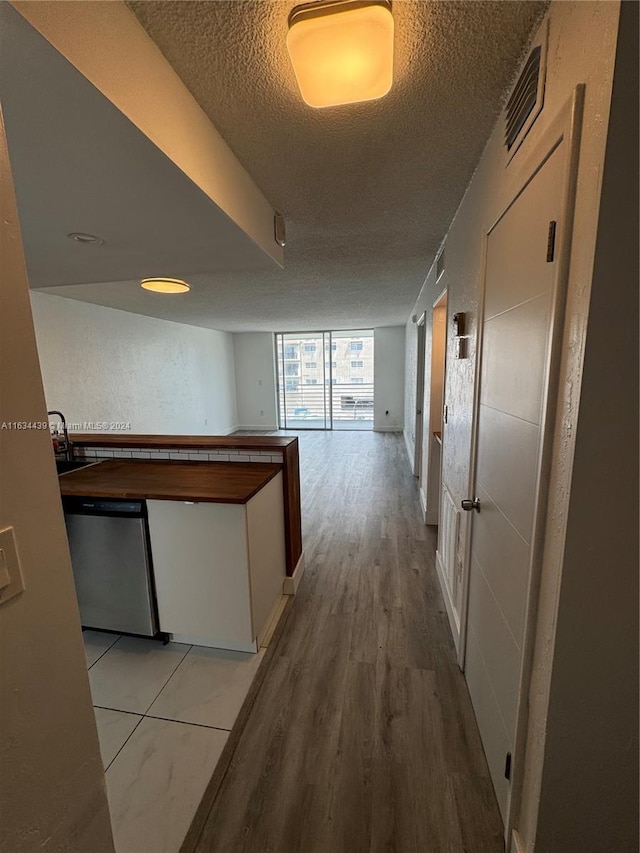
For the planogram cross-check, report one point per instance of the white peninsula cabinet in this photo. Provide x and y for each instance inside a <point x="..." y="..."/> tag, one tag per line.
<point x="219" y="567"/>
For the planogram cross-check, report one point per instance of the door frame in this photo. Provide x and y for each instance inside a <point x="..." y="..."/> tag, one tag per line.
<point x="421" y="329"/>
<point x="433" y="516"/>
<point x="564" y="128"/>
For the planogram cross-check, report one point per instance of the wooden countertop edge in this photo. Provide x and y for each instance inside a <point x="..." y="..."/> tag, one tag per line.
<point x="92" y="491"/>
<point x="249" y="442"/>
<point x="135" y="494"/>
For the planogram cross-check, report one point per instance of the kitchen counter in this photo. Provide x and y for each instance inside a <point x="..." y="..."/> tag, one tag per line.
<point x="216" y="540"/>
<point x="284" y="445"/>
<point x="230" y="483"/>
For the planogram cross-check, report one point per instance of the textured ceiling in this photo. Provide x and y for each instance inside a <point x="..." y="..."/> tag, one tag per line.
<point x="367" y="190"/>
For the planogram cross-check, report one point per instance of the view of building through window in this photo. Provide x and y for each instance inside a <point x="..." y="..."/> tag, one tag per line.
<point x="325" y="379"/>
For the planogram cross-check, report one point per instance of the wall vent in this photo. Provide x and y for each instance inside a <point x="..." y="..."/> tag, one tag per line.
<point x="527" y="98"/>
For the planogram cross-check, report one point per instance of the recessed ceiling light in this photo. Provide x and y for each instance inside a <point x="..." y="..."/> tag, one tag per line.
<point x="342" y="50"/>
<point x="165" y="285"/>
<point x="89" y="239"/>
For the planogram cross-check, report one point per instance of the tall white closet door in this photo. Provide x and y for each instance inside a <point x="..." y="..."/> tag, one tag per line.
<point x="517" y="322"/>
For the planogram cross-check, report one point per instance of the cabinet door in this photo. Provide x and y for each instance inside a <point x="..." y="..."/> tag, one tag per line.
<point x="201" y="570"/>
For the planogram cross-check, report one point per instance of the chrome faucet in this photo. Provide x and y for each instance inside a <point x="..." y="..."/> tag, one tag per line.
<point x="66" y="445"/>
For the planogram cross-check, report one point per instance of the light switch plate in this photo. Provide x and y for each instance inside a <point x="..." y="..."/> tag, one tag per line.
<point x="9" y="566"/>
<point x="461" y="347"/>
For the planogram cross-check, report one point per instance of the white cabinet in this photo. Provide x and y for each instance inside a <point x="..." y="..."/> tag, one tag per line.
<point x="218" y="568"/>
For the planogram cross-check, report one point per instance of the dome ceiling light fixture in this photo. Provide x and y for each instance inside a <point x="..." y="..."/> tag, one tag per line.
<point x="342" y="50"/>
<point x="165" y="285"/>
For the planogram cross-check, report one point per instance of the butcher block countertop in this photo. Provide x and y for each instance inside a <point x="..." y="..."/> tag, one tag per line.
<point x="220" y="482"/>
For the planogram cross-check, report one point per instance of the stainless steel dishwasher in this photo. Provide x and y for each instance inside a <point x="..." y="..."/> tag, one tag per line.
<point x="111" y="560"/>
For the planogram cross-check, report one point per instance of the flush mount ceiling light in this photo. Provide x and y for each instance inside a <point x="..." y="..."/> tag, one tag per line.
<point x="342" y="50"/>
<point x="88" y="239"/>
<point x="165" y="285"/>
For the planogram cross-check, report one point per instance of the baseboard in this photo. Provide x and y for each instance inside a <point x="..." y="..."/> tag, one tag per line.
<point x="231" y="645"/>
<point x="410" y="452"/>
<point x="431" y="517"/>
<point x="453" y="623"/>
<point x="271" y="623"/>
<point x="388" y="429"/>
<point x="259" y="427"/>
<point x="517" y="845"/>
<point x="229" y="431"/>
<point x="290" y="585"/>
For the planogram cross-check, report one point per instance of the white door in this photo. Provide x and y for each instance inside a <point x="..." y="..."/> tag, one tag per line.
<point x="522" y="304"/>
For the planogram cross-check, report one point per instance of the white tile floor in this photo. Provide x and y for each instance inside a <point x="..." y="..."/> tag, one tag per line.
<point x="163" y="714"/>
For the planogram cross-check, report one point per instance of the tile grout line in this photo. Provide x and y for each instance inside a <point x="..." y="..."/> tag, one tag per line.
<point x="173" y="672"/>
<point x="119" y="710"/>
<point x="185" y="723"/>
<point x="164" y="719"/>
<point x="108" y="649"/>
<point x="143" y="715"/>
<point x="126" y="741"/>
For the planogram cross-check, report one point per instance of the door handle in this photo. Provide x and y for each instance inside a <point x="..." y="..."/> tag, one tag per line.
<point x="468" y="505"/>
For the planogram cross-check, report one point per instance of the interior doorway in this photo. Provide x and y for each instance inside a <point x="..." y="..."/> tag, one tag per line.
<point x="420" y="373"/>
<point x="433" y="450"/>
<point x="325" y="379"/>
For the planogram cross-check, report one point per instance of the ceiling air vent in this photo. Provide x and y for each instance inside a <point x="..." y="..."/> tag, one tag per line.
<point x="525" y="103"/>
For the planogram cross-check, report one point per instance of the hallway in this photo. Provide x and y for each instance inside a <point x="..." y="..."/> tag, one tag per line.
<point x="361" y="738"/>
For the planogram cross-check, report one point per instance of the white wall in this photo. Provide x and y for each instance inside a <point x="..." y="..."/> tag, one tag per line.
<point x="388" y="378"/>
<point x="256" y="380"/>
<point x="52" y="789"/>
<point x="256" y="388"/>
<point x="582" y="39"/>
<point x="100" y="364"/>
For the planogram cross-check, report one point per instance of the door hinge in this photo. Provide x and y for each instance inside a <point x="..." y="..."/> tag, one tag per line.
<point x="551" y="241"/>
<point x="507" y="766"/>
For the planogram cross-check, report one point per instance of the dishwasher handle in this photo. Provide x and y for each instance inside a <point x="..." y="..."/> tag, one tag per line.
<point x="74" y="505"/>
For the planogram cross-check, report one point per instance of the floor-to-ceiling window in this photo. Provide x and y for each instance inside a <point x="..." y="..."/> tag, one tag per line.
<point x="325" y="379"/>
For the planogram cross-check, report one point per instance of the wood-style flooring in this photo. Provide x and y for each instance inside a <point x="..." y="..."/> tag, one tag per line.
<point x="361" y="738"/>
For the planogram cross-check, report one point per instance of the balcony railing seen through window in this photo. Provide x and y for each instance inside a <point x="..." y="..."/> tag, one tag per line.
<point x="323" y="392"/>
